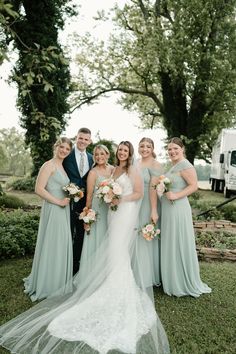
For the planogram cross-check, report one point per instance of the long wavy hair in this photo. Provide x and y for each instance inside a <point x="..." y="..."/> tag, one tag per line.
<point x="129" y="161"/>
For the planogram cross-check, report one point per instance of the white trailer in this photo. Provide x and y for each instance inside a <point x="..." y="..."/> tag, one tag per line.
<point x="223" y="165"/>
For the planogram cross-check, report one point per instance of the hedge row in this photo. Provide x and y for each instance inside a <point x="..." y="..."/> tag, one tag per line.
<point x="18" y="233"/>
<point x="22" y="184"/>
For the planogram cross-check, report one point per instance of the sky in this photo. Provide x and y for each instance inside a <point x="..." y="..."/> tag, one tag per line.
<point x="105" y="118"/>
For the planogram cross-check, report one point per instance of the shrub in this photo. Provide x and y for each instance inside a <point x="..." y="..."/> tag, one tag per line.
<point x="229" y="212"/>
<point x="1" y="190"/>
<point x="194" y="196"/>
<point x="226" y="212"/>
<point x="22" y="184"/>
<point x="18" y="233"/>
<point x="10" y="201"/>
<point x="216" y="239"/>
<point x="109" y="144"/>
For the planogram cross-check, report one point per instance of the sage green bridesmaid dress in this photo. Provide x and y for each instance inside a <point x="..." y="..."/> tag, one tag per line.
<point x="147" y="269"/>
<point x="98" y="231"/>
<point x="53" y="259"/>
<point x="157" y="241"/>
<point x="179" y="263"/>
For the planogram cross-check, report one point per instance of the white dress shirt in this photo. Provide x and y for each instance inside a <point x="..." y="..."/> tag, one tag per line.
<point x="78" y="157"/>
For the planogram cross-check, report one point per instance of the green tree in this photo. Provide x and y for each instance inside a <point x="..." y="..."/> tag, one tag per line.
<point x="18" y="161"/>
<point x="42" y="73"/>
<point x="3" y="157"/>
<point x="108" y="143"/>
<point x="7" y="16"/>
<point x="173" y="62"/>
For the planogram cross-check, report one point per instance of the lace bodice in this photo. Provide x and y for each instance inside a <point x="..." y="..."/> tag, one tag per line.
<point x="125" y="183"/>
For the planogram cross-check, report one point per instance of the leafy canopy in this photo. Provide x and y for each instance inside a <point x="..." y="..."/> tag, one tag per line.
<point x="173" y="63"/>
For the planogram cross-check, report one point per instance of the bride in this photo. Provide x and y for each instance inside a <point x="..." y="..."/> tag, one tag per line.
<point x="107" y="311"/>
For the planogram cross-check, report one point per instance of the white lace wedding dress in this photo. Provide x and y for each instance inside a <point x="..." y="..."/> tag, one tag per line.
<point x="107" y="311"/>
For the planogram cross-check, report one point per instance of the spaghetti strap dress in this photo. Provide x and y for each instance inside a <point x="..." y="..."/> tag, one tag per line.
<point x="53" y="259"/>
<point x="98" y="231"/>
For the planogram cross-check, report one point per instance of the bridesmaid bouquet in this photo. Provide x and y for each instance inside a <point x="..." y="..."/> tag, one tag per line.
<point x="73" y="191"/>
<point x="108" y="190"/>
<point x="89" y="216"/>
<point x="163" y="185"/>
<point x="149" y="232"/>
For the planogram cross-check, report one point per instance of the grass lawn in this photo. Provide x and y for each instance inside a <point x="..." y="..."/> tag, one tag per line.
<point x="29" y="198"/>
<point x="205" y="325"/>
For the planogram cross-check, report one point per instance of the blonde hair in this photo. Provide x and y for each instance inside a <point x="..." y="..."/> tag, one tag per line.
<point x="62" y="140"/>
<point x="100" y="147"/>
<point x="150" y="141"/>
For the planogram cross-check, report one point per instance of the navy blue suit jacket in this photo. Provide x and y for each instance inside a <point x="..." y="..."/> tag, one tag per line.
<point x="77" y="227"/>
<point x="72" y="170"/>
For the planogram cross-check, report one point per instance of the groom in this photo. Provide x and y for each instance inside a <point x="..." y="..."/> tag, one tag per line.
<point x="77" y="165"/>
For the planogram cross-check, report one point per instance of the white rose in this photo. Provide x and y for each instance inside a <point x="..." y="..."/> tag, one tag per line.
<point x="107" y="199"/>
<point x="91" y="215"/>
<point x="74" y="191"/>
<point x="105" y="189"/>
<point x="117" y="190"/>
<point x="86" y="219"/>
<point x="160" y="188"/>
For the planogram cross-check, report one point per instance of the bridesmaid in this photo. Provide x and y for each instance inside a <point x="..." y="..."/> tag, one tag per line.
<point x="52" y="264"/>
<point x="179" y="263"/>
<point x="100" y="171"/>
<point x="147" y="252"/>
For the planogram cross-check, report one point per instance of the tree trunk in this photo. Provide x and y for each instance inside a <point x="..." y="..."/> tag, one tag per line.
<point x="43" y="110"/>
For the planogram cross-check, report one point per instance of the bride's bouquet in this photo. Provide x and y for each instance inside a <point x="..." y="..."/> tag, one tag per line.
<point x="163" y="185"/>
<point x="108" y="190"/>
<point x="73" y="191"/>
<point x="149" y="231"/>
<point x="89" y="216"/>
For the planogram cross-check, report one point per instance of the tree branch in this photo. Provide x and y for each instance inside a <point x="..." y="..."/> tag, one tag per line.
<point x="143" y="10"/>
<point x="164" y="13"/>
<point x="89" y="99"/>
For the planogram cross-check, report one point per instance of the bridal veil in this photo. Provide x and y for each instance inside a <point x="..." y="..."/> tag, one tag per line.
<point x="107" y="312"/>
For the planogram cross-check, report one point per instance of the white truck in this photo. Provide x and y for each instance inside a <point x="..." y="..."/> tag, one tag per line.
<point x="223" y="165"/>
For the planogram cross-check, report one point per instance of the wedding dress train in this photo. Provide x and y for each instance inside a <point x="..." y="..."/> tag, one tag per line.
<point x="107" y="312"/>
